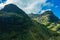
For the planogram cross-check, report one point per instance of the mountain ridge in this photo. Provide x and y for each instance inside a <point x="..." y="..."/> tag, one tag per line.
<point x="15" y="24"/>
<point x="48" y="19"/>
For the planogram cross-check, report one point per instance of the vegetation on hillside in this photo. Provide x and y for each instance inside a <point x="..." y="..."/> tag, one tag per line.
<point x="15" y="24"/>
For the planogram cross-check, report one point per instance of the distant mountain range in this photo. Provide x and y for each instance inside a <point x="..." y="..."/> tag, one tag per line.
<point x="15" y="24"/>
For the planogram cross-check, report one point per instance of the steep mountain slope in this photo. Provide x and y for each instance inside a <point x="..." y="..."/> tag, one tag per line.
<point x="11" y="15"/>
<point x="50" y="20"/>
<point x="13" y="8"/>
<point x="34" y="15"/>
<point x="48" y="16"/>
<point x="16" y="25"/>
<point x="13" y="21"/>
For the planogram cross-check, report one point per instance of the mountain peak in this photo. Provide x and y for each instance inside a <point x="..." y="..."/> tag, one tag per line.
<point x="48" y="16"/>
<point x="47" y="12"/>
<point x="12" y="8"/>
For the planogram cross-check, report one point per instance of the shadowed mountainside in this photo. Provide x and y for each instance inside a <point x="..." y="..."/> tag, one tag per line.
<point x="15" y="24"/>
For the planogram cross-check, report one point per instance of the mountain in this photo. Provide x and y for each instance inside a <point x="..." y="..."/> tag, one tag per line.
<point x="11" y="15"/>
<point x="34" y="15"/>
<point x="49" y="16"/>
<point x="48" y="19"/>
<point x="13" y="8"/>
<point x="15" y="24"/>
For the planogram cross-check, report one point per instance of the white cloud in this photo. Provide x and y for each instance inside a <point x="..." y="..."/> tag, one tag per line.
<point x="27" y="5"/>
<point x="31" y="5"/>
<point x="3" y="4"/>
<point x="49" y="4"/>
<point x="34" y="6"/>
<point x="42" y="11"/>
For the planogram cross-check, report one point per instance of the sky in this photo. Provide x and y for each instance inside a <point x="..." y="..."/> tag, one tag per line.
<point x="35" y="6"/>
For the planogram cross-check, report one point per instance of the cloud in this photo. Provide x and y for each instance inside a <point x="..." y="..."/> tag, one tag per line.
<point x="42" y="11"/>
<point x="34" y="6"/>
<point x="3" y="4"/>
<point x="49" y="4"/>
<point x="29" y="6"/>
